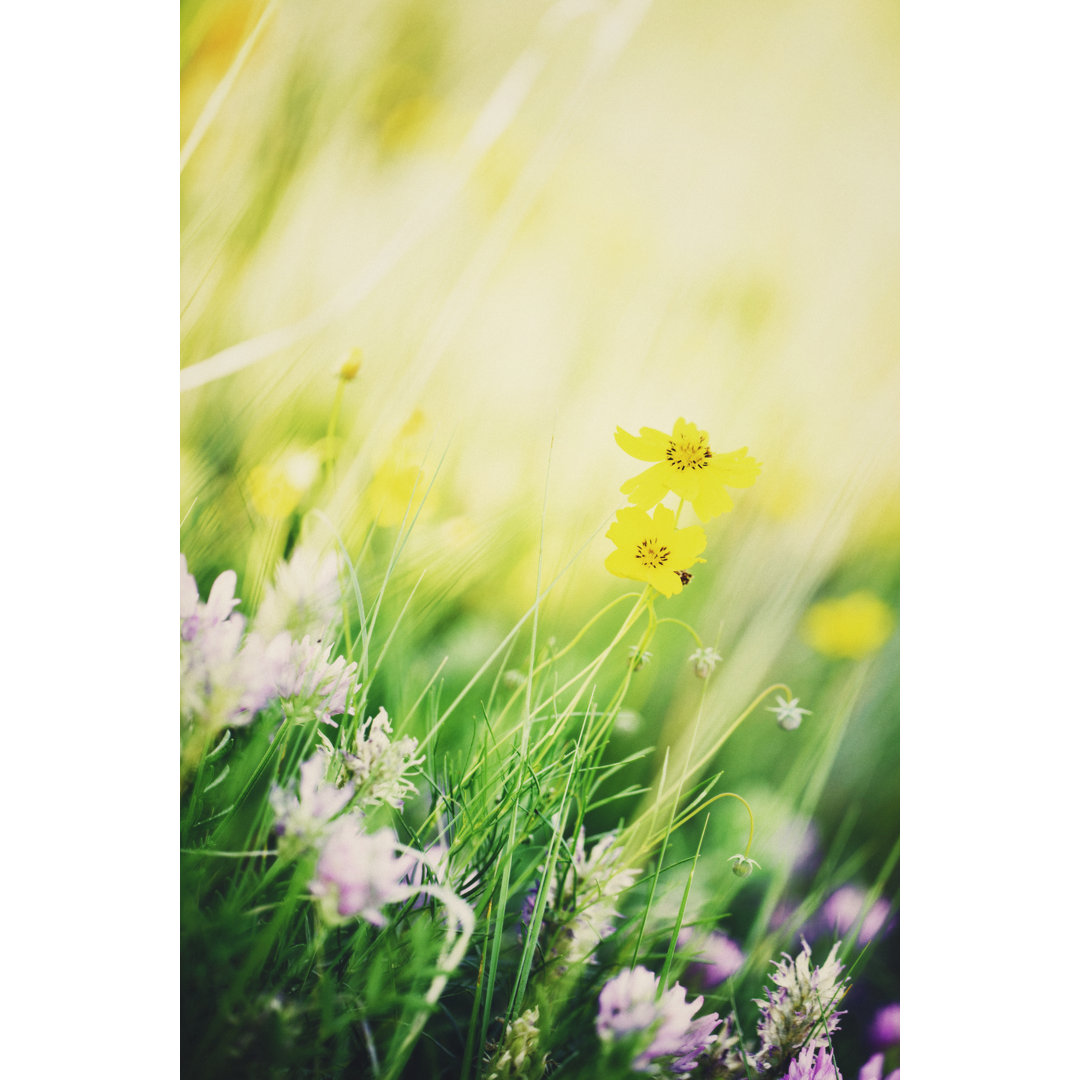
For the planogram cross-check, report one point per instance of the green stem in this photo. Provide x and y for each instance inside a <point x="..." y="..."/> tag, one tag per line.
<point x="686" y="626"/>
<point x="707" y="756"/>
<point x="644" y="601"/>
<point x="697" y="810"/>
<point x="330" y="455"/>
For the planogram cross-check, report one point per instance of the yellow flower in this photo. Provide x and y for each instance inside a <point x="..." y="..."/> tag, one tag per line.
<point x="394" y="491"/>
<point x="651" y="548"/>
<point x="848" y="627"/>
<point x="397" y="488"/>
<point x="276" y="490"/>
<point x="688" y="467"/>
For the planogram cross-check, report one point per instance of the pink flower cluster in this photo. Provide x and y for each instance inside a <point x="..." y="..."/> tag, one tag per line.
<point x="629" y="1005"/>
<point x="358" y="873"/>
<point x="222" y="683"/>
<point x="225" y="678"/>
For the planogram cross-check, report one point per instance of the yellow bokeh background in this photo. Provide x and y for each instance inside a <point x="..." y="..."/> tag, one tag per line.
<point x="539" y="221"/>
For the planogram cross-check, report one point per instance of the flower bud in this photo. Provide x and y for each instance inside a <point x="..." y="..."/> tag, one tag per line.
<point x="741" y="866"/>
<point x="351" y="368"/>
<point x="705" y="661"/>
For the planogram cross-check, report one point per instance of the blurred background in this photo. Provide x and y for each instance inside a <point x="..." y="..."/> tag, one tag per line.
<point x="537" y="221"/>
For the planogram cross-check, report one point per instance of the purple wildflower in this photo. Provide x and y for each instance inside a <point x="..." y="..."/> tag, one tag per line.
<point x="724" y="1059"/>
<point x="794" y="843"/>
<point x="306" y="812"/>
<point x="629" y="1006"/>
<point x="814" y="1064"/>
<point x="528" y="906"/>
<point x="801" y="1010"/>
<point x="715" y="957"/>
<point x="189" y="603"/>
<point x="843" y="911"/>
<point x="874" y="1069"/>
<point x="311" y="676"/>
<point x="885" y="1030"/>
<point x="783" y="911"/>
<point x="222" y="683"/>
<point x="358" y="873"/>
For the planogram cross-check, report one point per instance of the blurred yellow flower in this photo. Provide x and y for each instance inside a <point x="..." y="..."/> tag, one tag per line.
<point x="848" y="627"/>
<point x="652" y="549"/>
<point x="392" y="490"/>
<point x="397" y="485"/>
<point x="271" y="493"/>
<point x="686" y="466"/>
<point x="276" y="489"/>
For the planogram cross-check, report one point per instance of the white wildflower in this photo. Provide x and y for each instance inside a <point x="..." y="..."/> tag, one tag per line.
<point x="789" y="715"/>
<point x="381" y="767"/>
<point x="312" y="678"/>
<point x="306" y="811"/>
<point x="705" y="661"/>
<point x="584" y="905"/>
<point x="304" y="598"/>
<point x="741" y="866"/>
<point x="517" y="1057"/>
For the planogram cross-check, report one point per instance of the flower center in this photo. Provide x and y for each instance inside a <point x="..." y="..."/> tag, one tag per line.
<point x="652" y="553"/>
<point x="689" y="453"/>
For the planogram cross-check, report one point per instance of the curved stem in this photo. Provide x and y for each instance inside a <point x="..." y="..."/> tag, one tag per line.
<point x="697" y="810"/>
<point x="742" y="716"/>
<point x="567" y="647"/>
<point x="453" y="953"/>
<point x="686" y="626"/>
<point x="644" y="600"/>
<point x="689" y="769"/>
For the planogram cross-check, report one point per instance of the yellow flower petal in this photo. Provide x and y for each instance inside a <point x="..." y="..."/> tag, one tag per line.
<point x="663" y="518"/>
<point x="622" y="564"/>
<point x="630" y="523"/>
<point x="647" y="488"/>
<point x="736" y="469"/>
<point x="686" y="545"/>
<point x="665" y="581"/>
<point x="648" y="446"/>
<point x="688" y="432"/>
<point x="272" y="493"/>
<point x="686" y="485"/>
<point x="712" y="501"/>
